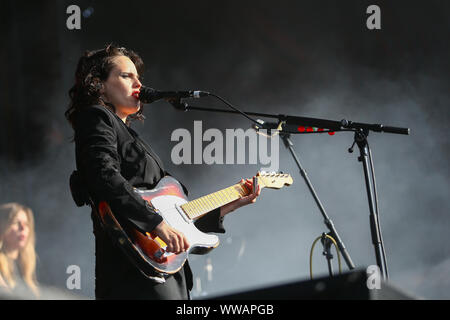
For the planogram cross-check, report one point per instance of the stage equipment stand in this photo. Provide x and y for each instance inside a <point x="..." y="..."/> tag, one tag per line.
<point x="287" y="125"/>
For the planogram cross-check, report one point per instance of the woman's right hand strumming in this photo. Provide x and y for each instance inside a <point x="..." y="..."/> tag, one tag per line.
<point x="175" y="240"/>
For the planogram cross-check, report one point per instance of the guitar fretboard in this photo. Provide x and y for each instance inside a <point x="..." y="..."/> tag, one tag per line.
<point x="196" y="208"/>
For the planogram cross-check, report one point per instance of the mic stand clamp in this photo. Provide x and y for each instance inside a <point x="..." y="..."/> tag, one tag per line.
<point x="178" y="104"/>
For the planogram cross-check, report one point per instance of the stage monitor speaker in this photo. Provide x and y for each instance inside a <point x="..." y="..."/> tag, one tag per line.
<point x="347" y="286"/>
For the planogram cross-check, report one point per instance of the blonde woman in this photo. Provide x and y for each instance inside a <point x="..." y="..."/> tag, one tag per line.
<point x="17" y="252"/>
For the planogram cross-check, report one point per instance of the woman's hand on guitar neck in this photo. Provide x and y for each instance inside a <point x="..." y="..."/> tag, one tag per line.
<point x="245" y="200"/>
<point x="175" y="240"/>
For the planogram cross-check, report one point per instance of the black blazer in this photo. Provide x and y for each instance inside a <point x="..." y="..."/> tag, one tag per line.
<point x="112" y="159"/>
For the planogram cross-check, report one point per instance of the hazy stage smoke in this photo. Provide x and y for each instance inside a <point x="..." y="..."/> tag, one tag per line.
<point x="327" y="68"/>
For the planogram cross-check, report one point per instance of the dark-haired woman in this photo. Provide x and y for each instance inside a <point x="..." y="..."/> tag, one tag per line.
<point x="111" y="159"/>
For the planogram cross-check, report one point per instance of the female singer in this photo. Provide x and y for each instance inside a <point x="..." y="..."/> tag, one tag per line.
<point x="111" y="159"/>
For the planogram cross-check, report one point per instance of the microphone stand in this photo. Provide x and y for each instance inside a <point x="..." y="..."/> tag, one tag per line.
<point x="328" y="222"/>
<point x="364" y="151"/>
<point x="361" y="131"/>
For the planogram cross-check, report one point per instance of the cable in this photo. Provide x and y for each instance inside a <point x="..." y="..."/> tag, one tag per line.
<point x="312" y="249"/>
<point x="234" y="108"/>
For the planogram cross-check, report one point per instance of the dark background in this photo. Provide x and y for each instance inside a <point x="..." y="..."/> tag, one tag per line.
<point x="305" y="58"/>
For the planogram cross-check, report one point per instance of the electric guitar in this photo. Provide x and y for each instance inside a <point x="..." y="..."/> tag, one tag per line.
<point x="148" y="252"/>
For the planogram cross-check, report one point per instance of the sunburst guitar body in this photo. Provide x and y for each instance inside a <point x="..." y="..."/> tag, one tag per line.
<point x="148" y="252"/>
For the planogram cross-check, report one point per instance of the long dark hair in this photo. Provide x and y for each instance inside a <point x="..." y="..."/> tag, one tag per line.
<point x="92" y="70"/>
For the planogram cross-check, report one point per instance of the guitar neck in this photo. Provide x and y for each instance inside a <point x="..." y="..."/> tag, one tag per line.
<point x="199" y="207"/>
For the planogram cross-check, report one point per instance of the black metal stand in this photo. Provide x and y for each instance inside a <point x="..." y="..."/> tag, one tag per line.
<point x="361" y="132"/>
<point x="328" y="222"/>
<point x="361" y="141"/>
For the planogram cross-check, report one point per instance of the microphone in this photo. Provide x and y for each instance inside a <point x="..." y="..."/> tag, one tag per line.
<point x="149" y="95"/>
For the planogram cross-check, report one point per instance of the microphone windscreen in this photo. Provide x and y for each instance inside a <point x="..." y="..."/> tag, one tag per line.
<point x="148" y="95"/>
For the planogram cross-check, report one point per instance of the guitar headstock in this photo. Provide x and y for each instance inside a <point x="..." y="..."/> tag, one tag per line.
<point x="273" y="180"/>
